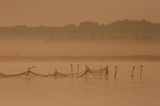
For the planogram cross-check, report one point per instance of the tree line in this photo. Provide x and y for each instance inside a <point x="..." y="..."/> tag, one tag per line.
<point x="139" y="29"/>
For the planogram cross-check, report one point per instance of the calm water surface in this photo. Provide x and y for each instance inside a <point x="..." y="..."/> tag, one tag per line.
<point x="81" y="92"/>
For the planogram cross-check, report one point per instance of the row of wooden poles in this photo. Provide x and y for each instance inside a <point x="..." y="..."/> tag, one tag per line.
<point x="105" y="71"/>
<point x="102" y="72"/>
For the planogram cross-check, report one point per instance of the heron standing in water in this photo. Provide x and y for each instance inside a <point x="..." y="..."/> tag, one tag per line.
<point x="106" y="72"/>
<point x="55" y="73"/>
<point x="115" y="73"/>
<point x="86" y="72"/>
<point x="132" y="73"/>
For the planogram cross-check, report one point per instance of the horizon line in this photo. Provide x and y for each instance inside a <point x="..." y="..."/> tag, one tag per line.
<point x="157" y="22"/>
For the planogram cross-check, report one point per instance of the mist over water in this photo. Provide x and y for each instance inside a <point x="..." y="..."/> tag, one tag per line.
<point x="33" y="47"/>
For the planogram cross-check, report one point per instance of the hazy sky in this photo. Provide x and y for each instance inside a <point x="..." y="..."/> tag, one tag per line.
<point x="61" y="12"/>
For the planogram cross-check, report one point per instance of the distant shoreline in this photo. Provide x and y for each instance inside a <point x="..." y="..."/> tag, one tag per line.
<point x="120" y="29"/>
<point x="80" y="58"/>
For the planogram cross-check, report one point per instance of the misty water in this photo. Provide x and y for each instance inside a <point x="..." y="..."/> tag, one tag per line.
<point x="94" y="91"/>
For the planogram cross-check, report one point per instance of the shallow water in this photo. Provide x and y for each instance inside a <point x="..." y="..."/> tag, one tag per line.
<point x="81" y="92"/>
